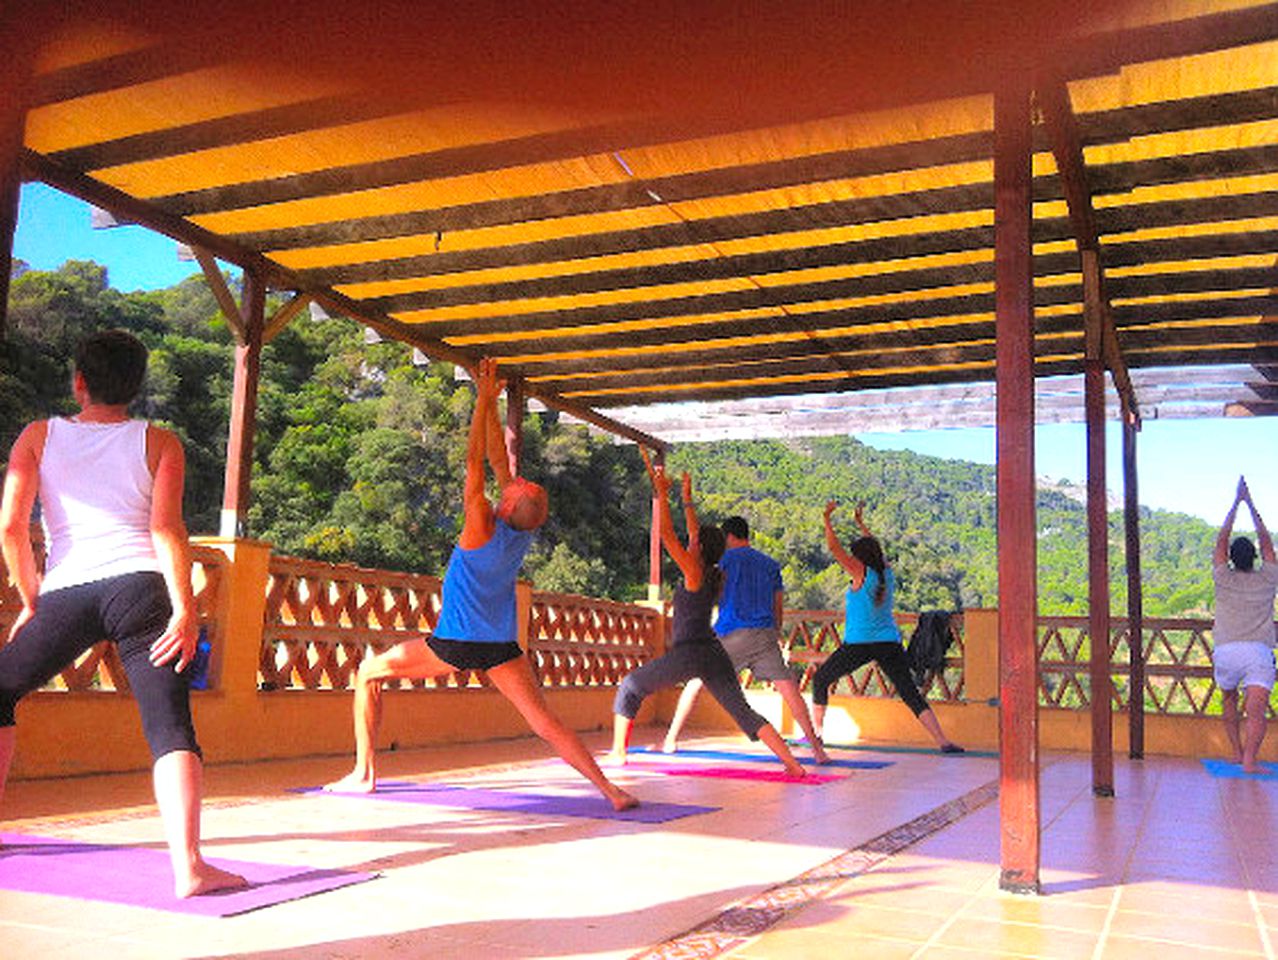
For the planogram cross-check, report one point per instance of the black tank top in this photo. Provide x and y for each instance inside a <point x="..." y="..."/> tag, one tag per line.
<point x="692" y="613"/>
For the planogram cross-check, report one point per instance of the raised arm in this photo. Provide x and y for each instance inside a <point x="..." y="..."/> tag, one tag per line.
<point x="167" y="462"/>
<point x="21" y="482"/>
<point x="854" y="568"/>
<point x="1221" y="553"/>
<point x="495" y="444"/>
<point x="1263" y="539"/>
<point x="478" y="522"/>
<point x="689" y="563"/>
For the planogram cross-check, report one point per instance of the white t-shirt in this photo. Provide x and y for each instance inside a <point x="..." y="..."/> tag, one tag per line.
<point x="95" y="502"/>
<point x="1245" y="603"/>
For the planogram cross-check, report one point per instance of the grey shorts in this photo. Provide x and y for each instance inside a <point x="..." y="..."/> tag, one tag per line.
<point x="759" y="649"/>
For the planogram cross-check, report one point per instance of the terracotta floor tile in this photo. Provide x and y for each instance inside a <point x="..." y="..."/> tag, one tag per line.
<point x="1131" y="948"/>
<point x="1193" y="931"/>
<point x="1032" y="940"/>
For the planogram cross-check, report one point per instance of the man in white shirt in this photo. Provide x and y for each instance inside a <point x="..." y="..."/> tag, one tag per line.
<point x="1244" y="632"/>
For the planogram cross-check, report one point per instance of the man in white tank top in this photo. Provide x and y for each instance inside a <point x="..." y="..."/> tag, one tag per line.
<point x="118" y="568"/>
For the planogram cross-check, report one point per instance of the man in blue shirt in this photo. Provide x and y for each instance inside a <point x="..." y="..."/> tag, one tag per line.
<point x="749" y="627"/>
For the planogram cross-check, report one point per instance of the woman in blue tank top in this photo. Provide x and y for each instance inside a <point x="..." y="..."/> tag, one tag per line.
<point x="695" y="650"/>
<point x="869" y="629"/>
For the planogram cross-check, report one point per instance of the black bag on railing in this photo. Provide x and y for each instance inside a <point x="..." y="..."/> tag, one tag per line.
<point x="928" y="646"/>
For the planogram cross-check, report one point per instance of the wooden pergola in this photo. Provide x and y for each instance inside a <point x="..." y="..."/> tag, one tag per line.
<point x="639" y="204"/>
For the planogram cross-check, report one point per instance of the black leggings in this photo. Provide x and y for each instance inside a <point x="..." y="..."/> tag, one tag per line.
<point x="891" y="659"/>
<point x="132" y="610"/>
<point x="707" y="662"/>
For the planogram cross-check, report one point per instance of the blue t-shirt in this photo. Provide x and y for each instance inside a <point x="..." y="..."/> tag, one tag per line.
<point x="865" y="621"/>
<point x="751" y="581"/>
<point x="479" y="589"/>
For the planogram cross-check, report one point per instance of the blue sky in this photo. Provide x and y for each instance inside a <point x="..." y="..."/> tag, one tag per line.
<point x="1190" y="466"/>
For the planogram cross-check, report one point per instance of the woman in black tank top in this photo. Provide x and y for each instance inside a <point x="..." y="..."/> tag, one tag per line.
<point x="694" y="649"/>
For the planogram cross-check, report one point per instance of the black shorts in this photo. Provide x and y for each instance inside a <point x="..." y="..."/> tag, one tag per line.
<point x="472" y="655"/>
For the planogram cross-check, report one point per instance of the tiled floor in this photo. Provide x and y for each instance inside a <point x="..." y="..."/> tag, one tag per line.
<point x="896" y="862"/>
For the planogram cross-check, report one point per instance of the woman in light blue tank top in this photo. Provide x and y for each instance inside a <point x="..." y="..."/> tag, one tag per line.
<point x="870" y="633"/>
<point x="478" y="624"/>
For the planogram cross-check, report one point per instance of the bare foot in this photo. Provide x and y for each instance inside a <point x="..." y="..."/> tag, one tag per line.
<point x="621" y="800"/>
<point x="819" y="754"/>
<point x="353" y="782"/>
<point x="795" y="771"/>
<point x="206" y="878"/>
<point x="670" y="746"/>
<point x="613" y="759"/>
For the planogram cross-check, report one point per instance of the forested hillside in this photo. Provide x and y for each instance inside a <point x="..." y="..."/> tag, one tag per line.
<point x="359" y="458"/>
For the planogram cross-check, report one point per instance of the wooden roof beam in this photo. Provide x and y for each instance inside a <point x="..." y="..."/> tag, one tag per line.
<point x="1058" y="115"/>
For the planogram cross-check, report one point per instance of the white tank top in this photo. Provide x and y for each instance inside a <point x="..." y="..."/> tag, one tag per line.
<point x="95" y="502"/>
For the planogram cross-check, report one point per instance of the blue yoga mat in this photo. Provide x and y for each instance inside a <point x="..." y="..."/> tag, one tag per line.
<point x="883" y="748"/>
<point x="1234" y="771"/>
<point x="765" y="758"/>
<point x="550" y="805"/>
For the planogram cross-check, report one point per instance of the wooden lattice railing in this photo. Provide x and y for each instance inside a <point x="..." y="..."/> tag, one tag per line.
<point x="809" y="636"/>
<point x="99" y="668"/>
<point x="322" y="618"/>
<point x="578" y="641"/>
<point x="1178" y="665"/>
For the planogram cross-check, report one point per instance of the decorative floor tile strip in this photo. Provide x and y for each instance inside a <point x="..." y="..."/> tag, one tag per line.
<point x="749" y="918"/>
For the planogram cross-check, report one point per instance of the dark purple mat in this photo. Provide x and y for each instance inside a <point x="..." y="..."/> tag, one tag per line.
<point x="141" y="877"/>
<point x="550" y="805"/>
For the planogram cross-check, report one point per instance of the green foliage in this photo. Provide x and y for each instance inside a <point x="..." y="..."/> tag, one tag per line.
<point x="359" y="456"/>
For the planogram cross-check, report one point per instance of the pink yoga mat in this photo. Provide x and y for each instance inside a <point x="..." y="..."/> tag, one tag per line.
<point x="142" y="877"/>
<point x="735" y="773"/>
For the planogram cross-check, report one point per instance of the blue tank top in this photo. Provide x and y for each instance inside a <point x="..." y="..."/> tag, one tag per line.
<point x="479" y="589"/>
<point x="864" y="621"/>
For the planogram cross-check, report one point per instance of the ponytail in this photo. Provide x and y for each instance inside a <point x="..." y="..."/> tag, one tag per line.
<point x="870" y="552"/>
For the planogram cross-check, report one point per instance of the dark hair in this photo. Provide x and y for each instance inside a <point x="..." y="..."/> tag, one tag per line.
<point x="113" y="364"/>
<point x="712" y="544"/>
<point x="870" y="552"/>
<point x="1243" y="553"/>
<point x="737" y="527"/>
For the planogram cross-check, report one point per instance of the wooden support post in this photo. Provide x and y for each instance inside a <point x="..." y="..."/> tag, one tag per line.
<point x="654" y="541"/>
<point x="1135" y="600"/>
<point x="239" y="444"/>
<point x="1017" y="541"/>
<point x="516" y="405"/>
<point x="15" y="72"/>
<point x="1102" y="692"/>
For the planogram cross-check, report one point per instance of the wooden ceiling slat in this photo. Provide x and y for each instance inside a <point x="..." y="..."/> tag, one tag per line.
<point x="781" y="296"/>
<point x="702" y="270"/>
<point x="884" y="341"/>
<point x="798" y="324"/>
<point x="570" y="144"/>
<point x="1096" y="128"/>
<point x="123" y="70"/>
<point x="815" y="323"/>
<point x="1175" y="213"/>
<point x="1118" y="177"/>
<point x="979" y="373"/>
<point x="685" y="233"/>
<point x="233" y="130"/>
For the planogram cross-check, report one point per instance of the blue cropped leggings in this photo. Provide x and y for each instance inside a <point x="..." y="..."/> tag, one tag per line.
<point x="132" y="611"/>
<point x="707" y="662"/>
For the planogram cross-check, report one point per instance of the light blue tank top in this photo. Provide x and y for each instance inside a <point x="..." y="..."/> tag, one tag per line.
<point x="864" y="621"/>
<point x="479" y="589"/>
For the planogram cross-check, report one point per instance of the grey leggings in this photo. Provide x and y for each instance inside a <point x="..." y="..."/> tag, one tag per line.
<point x="132" y="610"/>
<point x="705" y="661"/>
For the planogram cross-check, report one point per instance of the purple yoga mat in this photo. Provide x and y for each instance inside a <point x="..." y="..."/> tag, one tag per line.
<point x="550" y="805"/>
<point x="140" y="877"/>
<point x="736" y="773"/>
